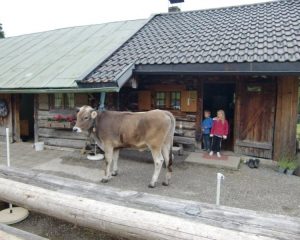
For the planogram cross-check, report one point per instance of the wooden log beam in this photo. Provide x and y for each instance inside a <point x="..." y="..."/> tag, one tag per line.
<point x="61" y="133"/>
<point x="7" y="232"/>
<point x="35" y="117"/>
<point x="62" y="142"/>
<point x="138" y="215"/>
<point x="114" y="219"/>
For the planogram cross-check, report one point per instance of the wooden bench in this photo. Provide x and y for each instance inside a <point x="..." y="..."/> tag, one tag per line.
<point x="139" y="215"/>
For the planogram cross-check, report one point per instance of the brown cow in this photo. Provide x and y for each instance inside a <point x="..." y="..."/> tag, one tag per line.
<point x="115" y="130"/>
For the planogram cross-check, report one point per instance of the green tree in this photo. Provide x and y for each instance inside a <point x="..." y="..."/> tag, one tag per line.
<point x="1" y="31"/>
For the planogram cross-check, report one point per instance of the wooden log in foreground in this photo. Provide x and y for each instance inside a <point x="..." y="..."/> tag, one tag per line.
<point x="138" y="215"/>
<point x="10" y="233"/>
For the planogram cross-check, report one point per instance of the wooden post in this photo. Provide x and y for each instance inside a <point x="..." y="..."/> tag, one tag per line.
<point x="15" y="131"/>
<point x="199" y="112"/>
<point x="237" y="112"/>
<point x="35" y="117"/>
<point x="286" y="116"/>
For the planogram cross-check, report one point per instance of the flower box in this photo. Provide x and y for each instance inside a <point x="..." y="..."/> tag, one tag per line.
<point x="61" y="121"/>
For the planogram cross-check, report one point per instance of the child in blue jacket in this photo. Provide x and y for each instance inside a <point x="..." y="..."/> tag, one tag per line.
<point x="206" y="127"/>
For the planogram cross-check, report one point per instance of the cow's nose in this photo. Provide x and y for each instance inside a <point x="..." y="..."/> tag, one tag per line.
<point x="77" y="129"/>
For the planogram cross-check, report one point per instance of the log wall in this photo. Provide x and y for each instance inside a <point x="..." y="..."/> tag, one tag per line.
<point x="286" y="116"/>
<point x="58" y="137"/>
<point x="284" y="109"/>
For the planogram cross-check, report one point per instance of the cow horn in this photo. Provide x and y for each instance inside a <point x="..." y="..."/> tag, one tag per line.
<point x="94" y="114"/>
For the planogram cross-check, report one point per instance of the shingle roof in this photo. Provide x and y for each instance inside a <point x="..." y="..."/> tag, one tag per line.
<point x="55" y="59"/>
<point x="265" y="32"/>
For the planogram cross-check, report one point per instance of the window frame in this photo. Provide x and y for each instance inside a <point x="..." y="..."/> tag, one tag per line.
<point x="64" y="101"/>
<point x="161" y="99"/>
<point x="176" y="99"/>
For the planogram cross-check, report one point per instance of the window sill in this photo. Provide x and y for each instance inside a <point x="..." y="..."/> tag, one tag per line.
<point x="62" y="111"/>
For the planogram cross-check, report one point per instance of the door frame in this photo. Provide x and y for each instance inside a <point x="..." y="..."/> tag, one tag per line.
<point x="220" y="81"/>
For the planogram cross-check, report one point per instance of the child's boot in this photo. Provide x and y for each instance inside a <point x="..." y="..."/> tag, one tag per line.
<point x="211" y="153"/>
<point x="218" y="154"/>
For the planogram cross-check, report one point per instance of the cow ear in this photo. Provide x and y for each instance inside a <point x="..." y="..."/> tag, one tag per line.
<point x="77" y="109"/>
<point x="94" y="114"/>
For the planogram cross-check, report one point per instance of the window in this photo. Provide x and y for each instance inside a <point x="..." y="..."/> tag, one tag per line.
<point x="175" y="100"/>
<point x="58" y="100"/>
<point x="160" y="99"/>
<point x="63" y="100"/>
<point x="69" y="100"/>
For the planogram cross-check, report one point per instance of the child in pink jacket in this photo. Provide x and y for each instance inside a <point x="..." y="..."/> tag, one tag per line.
<point x="218" y="132"/>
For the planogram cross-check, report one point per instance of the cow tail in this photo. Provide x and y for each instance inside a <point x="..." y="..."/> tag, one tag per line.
<point x="170" y="160"/>
<point x="171" y="133"/>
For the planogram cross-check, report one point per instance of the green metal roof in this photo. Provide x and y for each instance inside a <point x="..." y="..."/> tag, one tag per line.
<point x="56" y="59"/>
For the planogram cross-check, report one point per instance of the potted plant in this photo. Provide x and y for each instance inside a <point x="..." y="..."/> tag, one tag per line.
<point x="291" y="167"/>
<point x="282" y="165"/>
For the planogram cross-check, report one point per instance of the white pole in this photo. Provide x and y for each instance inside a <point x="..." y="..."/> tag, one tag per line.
<point x="7" y="147"/>
<point x="220" y="177"/>
<point x="8" y="160"/>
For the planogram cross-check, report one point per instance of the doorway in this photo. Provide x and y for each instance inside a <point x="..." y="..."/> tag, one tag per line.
<point x="218" y="96"/>
<point x="26" y="117"/>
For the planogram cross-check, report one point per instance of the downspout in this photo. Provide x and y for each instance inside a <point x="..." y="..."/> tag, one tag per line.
<point x="102" y="101"/>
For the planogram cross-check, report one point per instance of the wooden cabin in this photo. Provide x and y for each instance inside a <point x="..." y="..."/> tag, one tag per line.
<point x="261" y="111"/>
<point x="244" y="60"/>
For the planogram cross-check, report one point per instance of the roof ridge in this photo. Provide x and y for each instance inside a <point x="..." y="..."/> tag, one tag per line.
<point x="227" y="7"/>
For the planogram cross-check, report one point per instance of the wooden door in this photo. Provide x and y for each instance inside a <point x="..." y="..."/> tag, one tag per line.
<point x="256" y="118"/>
<point x="188" y="101"/>
<point x="144" y="100"/>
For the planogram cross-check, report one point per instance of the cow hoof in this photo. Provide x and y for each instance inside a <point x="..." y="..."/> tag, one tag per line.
<point x="104" y="180"/>
<point x="114" y="173"/>
<point x="151" y="185"/>
<point x="165" y="184"/>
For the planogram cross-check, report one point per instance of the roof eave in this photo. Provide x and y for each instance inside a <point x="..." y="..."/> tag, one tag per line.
<point x="60" y="90"/>
<point x="274" y="68"/>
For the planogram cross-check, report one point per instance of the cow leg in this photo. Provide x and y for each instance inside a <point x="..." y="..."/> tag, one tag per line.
<point x="115" y="162"/>
<point x="158" y="161"/>
<point x="108" y="161"/>
<point x="166" y="154"/>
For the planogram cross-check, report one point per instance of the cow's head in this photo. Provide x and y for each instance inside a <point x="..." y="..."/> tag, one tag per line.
<point x="86" y="116"/>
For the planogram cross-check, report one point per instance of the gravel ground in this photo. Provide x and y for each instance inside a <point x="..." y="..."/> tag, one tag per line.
<point x="261" y="189"/>
<point x="56" y="229"/>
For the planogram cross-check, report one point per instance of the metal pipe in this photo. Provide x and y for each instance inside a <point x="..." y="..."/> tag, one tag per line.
<point x="102" y="101"/>
<point x="220" y="177"/>
<point x="8" y="160"/>
<point x="7" y="147"/>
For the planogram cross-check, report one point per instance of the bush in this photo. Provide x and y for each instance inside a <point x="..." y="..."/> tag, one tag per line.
<point x="292" y="165"/>
<point x="288" y="162"/>
<point x="283" y="164"/>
